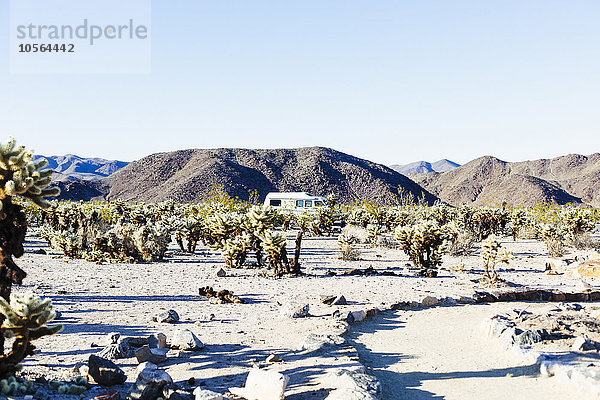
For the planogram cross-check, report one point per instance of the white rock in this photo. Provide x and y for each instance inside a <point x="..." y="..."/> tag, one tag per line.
<point x="203" y="394"/>
<point x="359" y="315"/>
<point x="263" y="385"/>
<point x="429" y="301"/>
<point x="294" y="310"/>
<point x="184" y="339"/>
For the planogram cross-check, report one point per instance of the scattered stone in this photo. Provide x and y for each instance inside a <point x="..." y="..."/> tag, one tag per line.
<point x="316" y="341"/>
<point x="583" y="344"/>
<point x="136" y="341"/>
<point x="149" y="383"/>
<point x="184" y="339"/>
<point x="169" y="317"/>
<point x="358" y="316"/>
<point x="116" y="351"/>
<point x="327" y="299"/>
<point x="221" y="273"/>
<point x="155" y="356"/>
<point x="339" y="301"/>
<point x="429" y="301"/>
<point x="530" y="337"/>
<point x="355" y="385"/>
<point x="203" y="394"/>
<point x="273" y="359"/>
<point x="173" y="392"/>
<point x="293" y="310"/>
<point x="157" y="341"/>
<point x="105" y="372"/>
<point x="263" y="385"/>
<point x="39" y="251"/>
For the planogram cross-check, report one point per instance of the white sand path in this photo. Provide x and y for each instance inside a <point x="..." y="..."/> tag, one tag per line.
<point x="441" y="353"/>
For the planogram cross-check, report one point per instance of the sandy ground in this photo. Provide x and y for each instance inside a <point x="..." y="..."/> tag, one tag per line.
<point x="442" y="353"/>
<point x="97" y="299"/>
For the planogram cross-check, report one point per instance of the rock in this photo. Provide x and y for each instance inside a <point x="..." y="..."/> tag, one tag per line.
<point x="112" y="394"/>
<point x="315" y="341"/>
<point x="583" y="344"/>
<point x="263" y="385"/>
<point x="429" y="301"/>
<point x="340" y="301"/>
<point x="353" y="385"/>
<point x="136" y="341"/>
<point x="105" y="372"/>
<point x="155" y="356"/>
<point x="203" y="394"/>
<point x="530" y="337"/>
<point x="273" y="359"/>
<point x="39" y="251"/>
<point x="327" y="299"/>
<point x="345" y="316"/>
<point x="172" y="392"/>
<point x="184" y="339"/>
<point x="295" y="310"/>
<point x="170" y="317"/>
<point x="149" y="383"/>
<point x="112" y="338"/>
<point x="358" y="316"/>
<point x="221" y="273"/>
<point x="157" y="341"/>
<point x="116" y="351"/>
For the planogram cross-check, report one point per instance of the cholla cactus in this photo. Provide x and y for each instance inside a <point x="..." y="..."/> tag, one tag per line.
<point x="274" y="245"/>
<point x="423" y="243"/>
<point x="26" y="317"/>
<point x="493" y="254"/>
<point x="236" y="250"/>
<point x="346" y="243"/>
<point x="374" y="231"/>
<point x="20" y="175"/>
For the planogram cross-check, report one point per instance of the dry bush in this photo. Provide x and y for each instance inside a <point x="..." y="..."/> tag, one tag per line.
<point x="462" y="244"/>
<point x="585" y="241"/>
<point x="361" y="235"/>
<point x="349" y="253"/>
<point x="556" y="248"/>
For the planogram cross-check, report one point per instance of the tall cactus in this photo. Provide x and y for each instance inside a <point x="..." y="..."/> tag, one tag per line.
<point x="19" y="175"/>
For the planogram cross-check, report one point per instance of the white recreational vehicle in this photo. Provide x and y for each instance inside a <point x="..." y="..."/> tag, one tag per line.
<point x="294" y="201"/>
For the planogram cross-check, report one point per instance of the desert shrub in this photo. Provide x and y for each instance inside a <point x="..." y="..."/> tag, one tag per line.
<point x="347" y="248"/>
<point x="493" y="254"/>
<point x="554" y="238"/>
<point x="423" y="243"/>
<point x="359" y="234"/>
<point x="460" y="242"/>
<point x="584" y="241"/>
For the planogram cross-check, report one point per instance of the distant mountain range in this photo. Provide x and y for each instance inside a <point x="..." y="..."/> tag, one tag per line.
<point x="75" y="168"/>
<point x="572" y="179"/>
<point x="188" y="175"/>
<point x="423" y="167"/>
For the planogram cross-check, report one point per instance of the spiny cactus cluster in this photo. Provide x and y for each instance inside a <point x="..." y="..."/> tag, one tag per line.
<point x="423" y="243"/>
<point x="25" y="319"/>
<point x="21" y="175"/>
<point x="493" y="254"/>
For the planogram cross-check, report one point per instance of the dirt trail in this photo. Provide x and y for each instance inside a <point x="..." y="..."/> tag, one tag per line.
<point x="441" y="353"/>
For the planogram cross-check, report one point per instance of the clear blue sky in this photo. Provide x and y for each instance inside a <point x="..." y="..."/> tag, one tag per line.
<point x="391" y="81"/>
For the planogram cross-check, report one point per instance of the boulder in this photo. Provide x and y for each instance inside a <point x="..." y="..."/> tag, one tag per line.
<point x="155" y="356"/>
<point x="294" y="310"/>
<point x="173" y="392"/>
<point x="118" y="350"/>
<point x="149" y="383"/>
<point x="184" y="339"/>
<point x="429" y="301"/>
<point x="157" y="341"/>
<point x="203" y="394"/>
<point x="169" y="317"/>
<point x="316" y="341"/>
<point x="105" y="372"/>
<point x="263" y="385"/>
<point x="353" y="385"/>
<point x="221" y="273"/>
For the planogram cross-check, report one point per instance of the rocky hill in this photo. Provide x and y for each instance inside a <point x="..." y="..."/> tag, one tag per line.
<point x="423" y="167"/>
<point x="488" y="180"/>
<point x="188" y="175"/>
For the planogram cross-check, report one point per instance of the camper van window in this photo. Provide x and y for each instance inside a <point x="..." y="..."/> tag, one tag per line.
<point x="275" y="203"/>
<point x="318" y="203"/>
<point x="299" y="203"/>
<point x="307" y="203"/>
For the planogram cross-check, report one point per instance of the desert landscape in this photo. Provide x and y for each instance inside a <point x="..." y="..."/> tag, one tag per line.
<point x="148" y="295"/>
